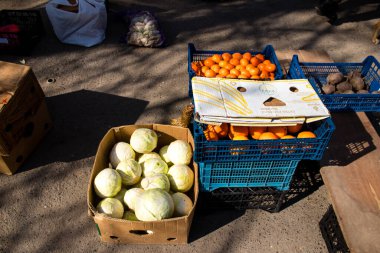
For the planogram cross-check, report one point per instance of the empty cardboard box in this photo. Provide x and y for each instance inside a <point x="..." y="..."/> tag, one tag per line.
<point x="24" y="117"/>
<point x="169" y="231"/>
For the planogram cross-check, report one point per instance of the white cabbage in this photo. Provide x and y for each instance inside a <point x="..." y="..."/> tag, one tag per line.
<point x="111" y="207"/>
<point x="144" y="140"/>
<point x="121" y="151"/>
<point x="180" y="152"/>
<point x="181" y="178"/>
<point x="182" y="204"/>
<point x="107" y="183"/>
<point x="147" y="156"/>
<point x="160" y="181"/>
<point x="120" y="195"/>
<point x="154" y="166"/>
<point x="131" y="196"/>
<point x="130" y="215"/>
<point x="164" y="155"/>
<point x="130" y="172"/>
<point x="154" y="204"/>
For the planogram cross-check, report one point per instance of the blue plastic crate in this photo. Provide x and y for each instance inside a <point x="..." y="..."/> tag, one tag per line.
<point x="318" y="72"/>
<point x="199" y="55"/>
<point x="277" y="174"/>
<point x="264" y="150"/>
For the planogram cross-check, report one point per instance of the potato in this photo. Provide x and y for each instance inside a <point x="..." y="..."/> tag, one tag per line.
<point x="328" y="88"/>
<point x="335" y="78"/>
<point x="362" y="92"/>
<point x="343" y="86"/>
<point x="357" y="83"/>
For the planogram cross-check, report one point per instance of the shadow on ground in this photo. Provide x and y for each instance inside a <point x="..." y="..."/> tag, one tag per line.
<point x="80" y="120"/>
<point x="349" y="142"/>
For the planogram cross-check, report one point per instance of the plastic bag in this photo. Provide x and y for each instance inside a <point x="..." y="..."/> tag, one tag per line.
<point x="82" y="23"/>
<point x="144" y="30"/>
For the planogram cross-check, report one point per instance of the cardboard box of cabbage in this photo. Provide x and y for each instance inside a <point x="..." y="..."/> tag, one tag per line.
<point x="164" y="223"/>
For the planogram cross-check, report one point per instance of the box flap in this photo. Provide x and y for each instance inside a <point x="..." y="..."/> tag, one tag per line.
<point x="249" y="102"/>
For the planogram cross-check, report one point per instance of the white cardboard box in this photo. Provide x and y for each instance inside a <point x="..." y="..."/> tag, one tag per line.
<point x="250" y="102"/>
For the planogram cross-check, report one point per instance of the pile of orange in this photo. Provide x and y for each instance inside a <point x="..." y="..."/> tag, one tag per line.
<point x="236" y="65"/>
<point x="214" y="133"/>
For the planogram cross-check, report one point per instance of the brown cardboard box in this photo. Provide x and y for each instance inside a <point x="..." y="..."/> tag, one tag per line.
<point x="169" y="231"/>
<point x="24" y="118"/>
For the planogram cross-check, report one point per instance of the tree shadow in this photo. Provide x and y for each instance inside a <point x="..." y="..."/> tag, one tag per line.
<point x="80" y="120"/>
<point x="349" y="142"/>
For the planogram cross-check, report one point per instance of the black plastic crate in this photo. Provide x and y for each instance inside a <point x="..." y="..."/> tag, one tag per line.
<point x="332" y="234"/>
<point x="31" y="30"/>
<point x="306" y="180"/>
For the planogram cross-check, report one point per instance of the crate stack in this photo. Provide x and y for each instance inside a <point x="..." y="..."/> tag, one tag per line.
<point x="237" y="171"/>
<point x="24" y="117"/>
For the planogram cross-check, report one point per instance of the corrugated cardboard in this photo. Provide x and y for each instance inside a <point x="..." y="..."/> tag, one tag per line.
<point x="21" y="96"/>
<point x="24" y="117"/>
<point x="36" y="128"/>
<point x="169" y="231"/>
<point x="250" y="102"/>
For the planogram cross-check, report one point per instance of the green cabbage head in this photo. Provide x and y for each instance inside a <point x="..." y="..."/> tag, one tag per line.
<point x="144" y="140"/>
<point x="154" y="204"/>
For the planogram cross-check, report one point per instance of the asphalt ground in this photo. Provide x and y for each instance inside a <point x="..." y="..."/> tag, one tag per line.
<point x="43" y="206"/>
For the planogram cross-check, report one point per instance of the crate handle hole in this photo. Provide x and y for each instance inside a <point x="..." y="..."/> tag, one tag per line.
<point x="28" y="130"/>
<point x="114" y="237"/>
<point x="51" y="80"/>
<point x="293" y="89"/>
<point x="19" y="158"/>
<point x="241" y="89"/>
<point x="141" y="232"/>
<point x="171" y="239"/>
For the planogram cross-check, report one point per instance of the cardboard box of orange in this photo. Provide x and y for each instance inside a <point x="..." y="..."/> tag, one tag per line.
<point x="169" y="231"/>
<point x="24" y="116"/>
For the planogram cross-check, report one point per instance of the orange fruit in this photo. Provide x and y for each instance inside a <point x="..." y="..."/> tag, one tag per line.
<point x="237" y="56"/>
<point x="244" y="62"/>
<point x="270" y="67"/>
<point x="306" y="134"/>
<point x="255" y="72"/>
<point x="220" y="76"/>
<point x="260" y="57"/>
<point x="255" y="77"/>
<point x="217" y="58"/>
<point x="288" y="136"/>
<point x="235" y="72"/>
<point x="266" y="62"/>
<point x="249" y="67"/>
<point x="234" y="61"/>
<point x="261" y="66"/>
<point x="224" y="72"/>
<point x="204" y="69"/>
<point x="216" y="68"/>
<point x="208" y="62"/>
<point x="226" y="56"/>
<point x="230" y="135"/>
<point x="247" y="56"/>
<point x="229" y="66"/>
<point x="255" y="61"/>
<point x="239" y="67"/>
<point x="294" y="129"/>
<point x="223" y="64"/>
<point x="231" y="76"/>
<point x="264" y="74"/>
<point x="255" y="132"/>
<point x="241" y="76"/>
<point x="239" y="130"/>
<point x="245" y="72"/>
<point x="280" y="131"/>
<point x="210" y="73"/>
<point x="240" y="138"/>
<point x="268" y="136"/>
